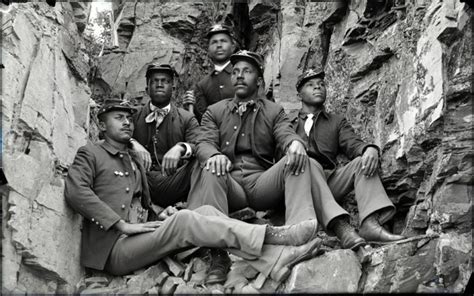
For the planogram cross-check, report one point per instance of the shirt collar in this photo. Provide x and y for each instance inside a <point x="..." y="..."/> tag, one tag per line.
<point x="302" y="114"/>
<point x="166" y="108"/>
<point x="220" y="68"/>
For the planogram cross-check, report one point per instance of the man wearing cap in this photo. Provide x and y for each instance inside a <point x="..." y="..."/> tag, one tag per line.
<point x="236" y="148"/>
<point x="107" y="185"/>
<point x="326" y="134"/>
<point x="216" y="86"/>
<point x="167" y="133"/>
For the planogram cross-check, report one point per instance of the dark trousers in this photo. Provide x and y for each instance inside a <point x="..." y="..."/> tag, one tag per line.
<point x="168" y="190"/>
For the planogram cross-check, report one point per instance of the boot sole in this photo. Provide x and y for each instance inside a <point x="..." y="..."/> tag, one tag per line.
<point x="285" y="271"/>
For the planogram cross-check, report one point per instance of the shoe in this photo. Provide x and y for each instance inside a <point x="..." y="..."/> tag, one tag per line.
<point x="291" y="235"/>
<point x="220" y="265"/>
<point x="372" y="231"/>
<point x="292" y="256"/>
<point x="346" y="234"/>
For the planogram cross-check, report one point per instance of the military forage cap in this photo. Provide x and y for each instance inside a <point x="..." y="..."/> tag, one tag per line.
<point x="248" y="56"/>
<point x="160" y="68"/>
<point x="115" y="104"/>
<point x="307" y="75"/>
<point x="218" y="28"/>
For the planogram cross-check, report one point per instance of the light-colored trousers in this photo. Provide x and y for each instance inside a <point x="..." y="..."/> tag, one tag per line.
<point x="203" y="227"/>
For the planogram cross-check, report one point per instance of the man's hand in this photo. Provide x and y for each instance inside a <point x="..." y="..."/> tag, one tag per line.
<point x="188" y="99"/>
<point x="130" y="229"/>
<point x="219" y="164"/>
<point x="166" y="213"/>
<point x="171" y="160"/>
<point x="297" y="157"/>
<point x="142" y="153"/>
<point x="370" y="161"/>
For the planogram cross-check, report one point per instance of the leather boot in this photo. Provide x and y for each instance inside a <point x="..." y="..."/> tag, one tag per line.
<point x="291" y="256"/>
<point x="291" y="235"/>
<point x="220" y="265"/>
<point x="372" y="231"/>
<point x="346" y="234"/>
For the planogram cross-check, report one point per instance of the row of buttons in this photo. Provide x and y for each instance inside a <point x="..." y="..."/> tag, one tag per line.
<point x="121" y="174"/>
<point x="97" y="222"/>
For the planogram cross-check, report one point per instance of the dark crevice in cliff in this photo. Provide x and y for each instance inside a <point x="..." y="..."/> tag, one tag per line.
<point x="242" y="24"/>
<point x="327" y="27"/>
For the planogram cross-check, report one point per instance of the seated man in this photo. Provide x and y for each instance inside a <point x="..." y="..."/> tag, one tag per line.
<point x="236" y="148"/>
<point x="168" y="134"/>
<point x="107" y="185"/>
<point x="326" y="135"/>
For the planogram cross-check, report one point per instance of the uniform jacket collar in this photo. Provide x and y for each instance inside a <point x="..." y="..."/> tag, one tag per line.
<point x="109" y="148"/>
<point x="323" y="112"/>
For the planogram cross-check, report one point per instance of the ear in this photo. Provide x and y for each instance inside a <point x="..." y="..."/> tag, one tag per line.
<point x="259" y="81"/>
<point x="299" y="97"/>
<point x="102" y="126"/>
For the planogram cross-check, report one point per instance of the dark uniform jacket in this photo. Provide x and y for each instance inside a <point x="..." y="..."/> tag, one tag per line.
<point x="221" y="126"/>
<point x="213" y="88"/>
<point x="177" y="127"/>
<point x="102" y="197"/>
<point x="331" y="135"/>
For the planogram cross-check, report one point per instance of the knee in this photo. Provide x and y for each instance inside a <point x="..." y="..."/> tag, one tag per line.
<point x="184" y="217"/>
<point x="206" y="210"/>
<point x="315" y="164"/>
<point x="208" y="176"/>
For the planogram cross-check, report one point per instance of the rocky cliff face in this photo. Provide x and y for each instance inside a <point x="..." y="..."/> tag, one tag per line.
<point x="397" y="69"/>
<point x="45" y="104"/>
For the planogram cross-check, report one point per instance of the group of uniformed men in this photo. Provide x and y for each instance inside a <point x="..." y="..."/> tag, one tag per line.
<point x="236" y="150"/>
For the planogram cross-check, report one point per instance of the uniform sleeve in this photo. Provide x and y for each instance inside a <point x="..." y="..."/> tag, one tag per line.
<point x="284" y="132"/>
<point x="350" y="143"/>
<point x="79" y="194"/>
<point x="208" y="139"/>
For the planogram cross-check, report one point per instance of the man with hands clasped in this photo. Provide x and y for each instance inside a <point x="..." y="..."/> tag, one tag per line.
<point x="326" y="135"/>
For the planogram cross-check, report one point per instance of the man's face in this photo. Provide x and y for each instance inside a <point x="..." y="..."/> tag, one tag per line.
<point x="117" y="125"/>
<point x="313" y="92"/>
<point x="160" y="88"/>
<point x="245" y="79"/>
<point x="221" y="47"/>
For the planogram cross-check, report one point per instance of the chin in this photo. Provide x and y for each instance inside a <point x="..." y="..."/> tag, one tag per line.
<point x="241" y="94"/>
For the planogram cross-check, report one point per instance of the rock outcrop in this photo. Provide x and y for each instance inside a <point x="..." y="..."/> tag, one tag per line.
<point x="45" y="103"/>
<point x="397" y="69"/>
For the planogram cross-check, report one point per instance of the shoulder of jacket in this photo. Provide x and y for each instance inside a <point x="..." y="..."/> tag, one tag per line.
<point x="220" y="105"/>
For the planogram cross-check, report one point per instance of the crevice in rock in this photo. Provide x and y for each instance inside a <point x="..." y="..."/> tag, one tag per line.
<point x="327" y="28"/>
<point x="243" y="26"/>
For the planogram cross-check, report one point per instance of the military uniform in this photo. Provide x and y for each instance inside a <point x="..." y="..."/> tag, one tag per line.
<point x="213" y="88"/>
<point x="103" y="184"/>
<point x="331" y="134"/>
